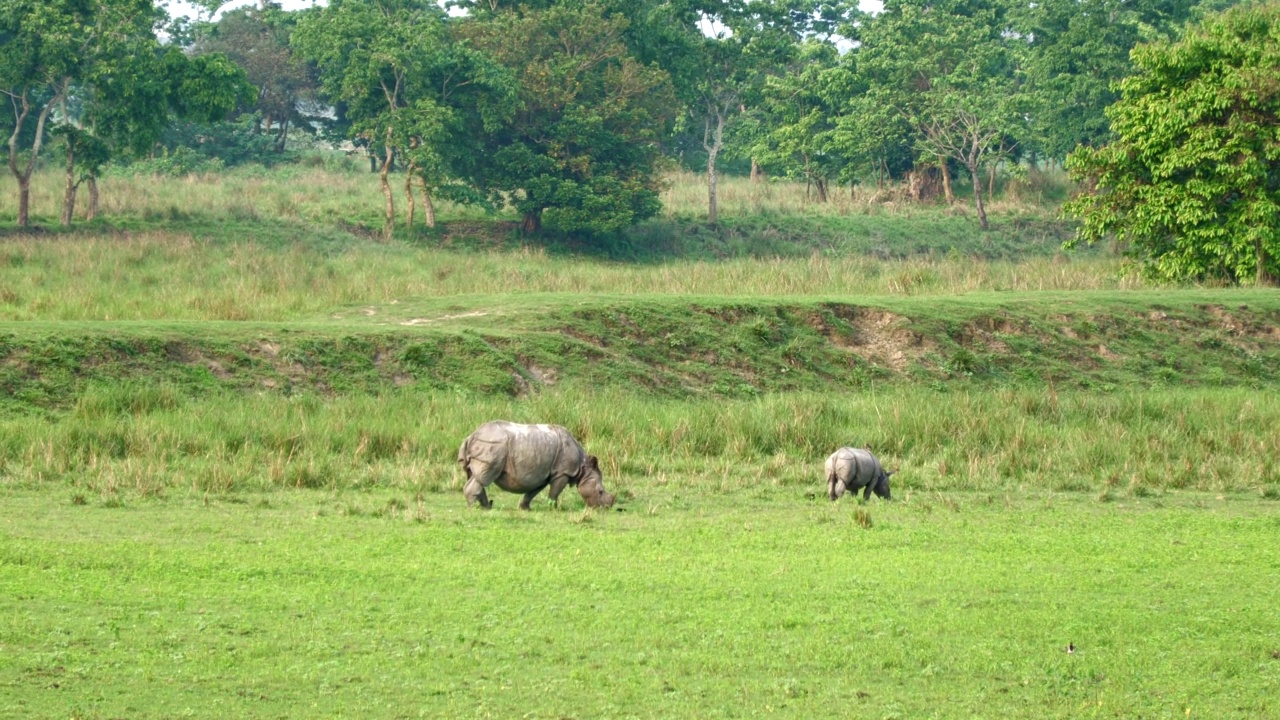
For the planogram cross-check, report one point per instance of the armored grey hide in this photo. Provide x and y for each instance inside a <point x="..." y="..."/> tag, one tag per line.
<point x="854" y="469"/>
<point x="527" y="458"/>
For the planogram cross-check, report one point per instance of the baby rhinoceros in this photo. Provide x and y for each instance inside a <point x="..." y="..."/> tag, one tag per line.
<point x="852" y="469"/>
<point x="525" y="459"/>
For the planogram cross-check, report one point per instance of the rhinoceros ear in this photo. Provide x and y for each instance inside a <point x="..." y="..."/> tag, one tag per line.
<point x="592" y="462"/>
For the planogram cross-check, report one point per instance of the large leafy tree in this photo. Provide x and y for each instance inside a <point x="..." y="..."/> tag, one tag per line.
<point x="388" y="63"/>
<point x="132" y="90"/>
<point x="1191" y="181"/>
<point x="257" y="39"/>
<point x="743" y="43"/>
<point x="949" y="70"/>
<point x="581" y="149"/>
<point x="95" y="71"/>
<point x="1075" y="51"/>
<point x="800" y="112"/>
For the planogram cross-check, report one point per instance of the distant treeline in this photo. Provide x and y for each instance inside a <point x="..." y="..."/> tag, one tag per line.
<point x="569" y="111"/>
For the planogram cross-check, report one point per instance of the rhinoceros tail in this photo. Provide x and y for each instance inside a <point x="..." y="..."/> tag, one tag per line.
<point x="464" y="457"/>
<point x="831" y="486"/>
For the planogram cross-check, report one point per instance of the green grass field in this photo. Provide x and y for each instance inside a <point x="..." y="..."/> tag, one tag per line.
<point x="689" y="604"/>
<point x="229" y="418"/>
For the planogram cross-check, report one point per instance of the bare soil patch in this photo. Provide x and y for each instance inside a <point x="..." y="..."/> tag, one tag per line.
<point x="880" y="337"/>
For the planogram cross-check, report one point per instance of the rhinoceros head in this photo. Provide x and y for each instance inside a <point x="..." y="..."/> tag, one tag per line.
<point x="881" y="488"/>
<point x="591" y="484"/>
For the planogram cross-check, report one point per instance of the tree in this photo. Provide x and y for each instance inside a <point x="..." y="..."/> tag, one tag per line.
<point x="257" y="39"/>
<point x="1191" y="181"/>
<point x="949" y="70"/>
<point x="46" y="42"/>
<point x="872" y="136"/>
<point x="379" y="58"/>
<point x="1075" y="51"/>
<point x="86" y="154"/>
<point x="746" y="41"/>
<point x="580" y="148"/>
<point x="801" y="111"/>
<point x="968" y="128"/>
<point x="95" y="72"/>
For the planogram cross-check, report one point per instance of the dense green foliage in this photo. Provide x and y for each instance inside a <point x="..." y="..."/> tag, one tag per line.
<point x="97" y="75"/>
<point x="582" y="140"/>
<point x="1192" y="181"/>
<point x="573" y="110"/>
<point x="257" y="38"/>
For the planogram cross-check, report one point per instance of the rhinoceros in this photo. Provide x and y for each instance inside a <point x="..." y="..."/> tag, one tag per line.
<point x="525" y="459"/>
<point x="852" y="469"/>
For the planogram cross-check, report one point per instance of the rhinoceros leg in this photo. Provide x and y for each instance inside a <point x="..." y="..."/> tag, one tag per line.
<point x="477" y="482"/>
<point x="557" y="486"/>
<point x="474" y="492"/>
<point x="529" y="496"/>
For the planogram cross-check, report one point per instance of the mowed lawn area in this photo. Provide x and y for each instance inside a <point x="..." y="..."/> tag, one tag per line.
<point x="302" y="603"/>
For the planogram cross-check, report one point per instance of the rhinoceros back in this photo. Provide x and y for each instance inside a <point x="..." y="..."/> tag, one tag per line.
<point x="854" y="467"/>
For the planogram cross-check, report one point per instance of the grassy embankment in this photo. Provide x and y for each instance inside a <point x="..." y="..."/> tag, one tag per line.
<point x="229" y="419"/>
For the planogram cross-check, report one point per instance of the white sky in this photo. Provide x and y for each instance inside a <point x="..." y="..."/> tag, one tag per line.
<point x="179" y="8"/>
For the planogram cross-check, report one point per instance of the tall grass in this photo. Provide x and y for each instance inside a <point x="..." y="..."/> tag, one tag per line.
<point x="150" y="440"/>
<point x="686" y="195"/>
<point x="339" y="189"/>
<point x="174" y="276"/>
<point x="318" y="193"/>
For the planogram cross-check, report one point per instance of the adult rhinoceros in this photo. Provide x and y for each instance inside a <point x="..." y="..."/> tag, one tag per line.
<point x="853" y="469"/>
<point x="525" y="459"/>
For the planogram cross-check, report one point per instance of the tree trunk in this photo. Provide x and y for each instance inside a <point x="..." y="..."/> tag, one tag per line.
<point x="915" y="185"/>
<point x="267" y="122"/>
<point x="283" y="137"/>
<point x="991" y="182"/>
<point x="1265" y="278"/>
<point x="93" y="199"/>
<point x="408" y="196"/>
<point x="713" y="141"/>
<point x="23" y="175"/>
<point x="946" y="183"/>
<point x="428" y="207"/>
<point x="532" y="223"/>
<point x="69" y="193"/>
<point x="820" y="184"/>
<point x="712" y="199"/>
<point x="389" y="224"/>
<point x="977" y="197"/>
<point x="24" y="201"/>
<point x="756" y="173"/>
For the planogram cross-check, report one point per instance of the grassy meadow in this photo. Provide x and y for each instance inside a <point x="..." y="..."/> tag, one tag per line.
<point x="377" y="604"/>
<point x="230" y="412"/>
